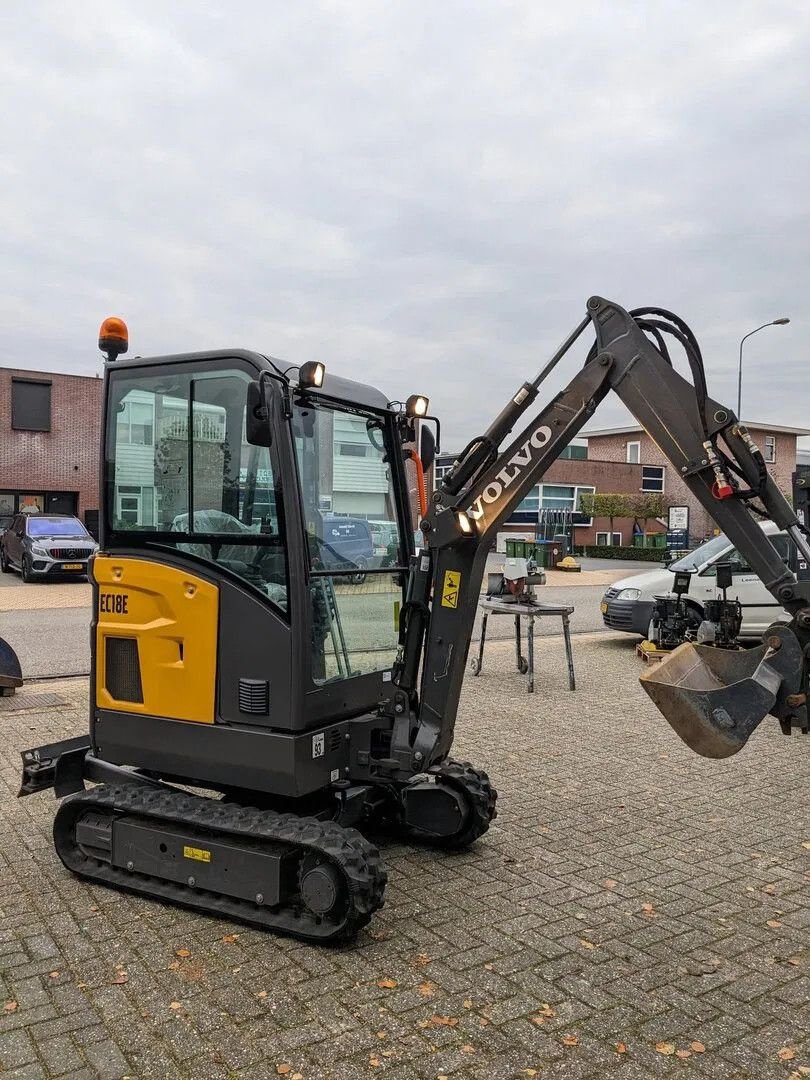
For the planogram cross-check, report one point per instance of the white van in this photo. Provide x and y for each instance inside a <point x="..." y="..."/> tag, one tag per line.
<point x="628" y="604"/>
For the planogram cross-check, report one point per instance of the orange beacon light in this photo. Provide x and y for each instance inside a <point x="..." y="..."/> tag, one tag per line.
<point x="113" y="337"/>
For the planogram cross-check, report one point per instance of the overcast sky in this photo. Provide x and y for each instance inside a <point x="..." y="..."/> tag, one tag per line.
<point x="421" y="194"/>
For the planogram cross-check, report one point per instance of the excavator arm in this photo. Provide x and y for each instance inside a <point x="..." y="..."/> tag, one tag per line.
<point x="713" y="699"/>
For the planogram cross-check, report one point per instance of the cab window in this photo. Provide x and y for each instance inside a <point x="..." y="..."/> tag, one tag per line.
<point x="181" y="473"/>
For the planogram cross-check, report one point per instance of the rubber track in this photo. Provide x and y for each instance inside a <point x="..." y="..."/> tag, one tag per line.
<point x="358" y="860"/>
<point x="480" y="796"/>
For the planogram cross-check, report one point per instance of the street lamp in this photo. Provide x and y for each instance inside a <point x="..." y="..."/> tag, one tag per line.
<point x="775" y="322"/>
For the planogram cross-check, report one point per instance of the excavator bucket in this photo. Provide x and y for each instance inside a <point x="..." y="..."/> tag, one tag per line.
<point x="10" y="671"/>
<point x="716" y="698"/>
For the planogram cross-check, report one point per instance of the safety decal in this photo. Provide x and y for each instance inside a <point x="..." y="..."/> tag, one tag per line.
<point x="452" y="584"/>
<point x="198" y="854"/>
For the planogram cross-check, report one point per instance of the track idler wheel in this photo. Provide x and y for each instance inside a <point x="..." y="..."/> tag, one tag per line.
<point x="451" y="807"/>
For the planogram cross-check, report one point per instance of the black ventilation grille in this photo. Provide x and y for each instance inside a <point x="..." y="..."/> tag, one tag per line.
<point x="122" y="672"/>
<point x="254" y="696"/>
<point x="335" y="740"/>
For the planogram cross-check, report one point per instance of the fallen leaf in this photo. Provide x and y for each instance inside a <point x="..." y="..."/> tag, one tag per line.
<point x="806" y="844"/>
<point x="381" y="1034"/>
<point x="94" y="908"/>
<point x="282" y="1070"/>
<point x="664" y="1048"/>
<point x="787" y="1053"/>
<point x="53" y="974"/>
<point x="488" y="967"/>
<point x="297" y="1076"/>
<point x="530" y="1072"/>
<point x="467" y="1049"/>
<point x="483" y="1021"/>
<point x="621" y="1048"/>
<point x="769" y="889"/>
<point x="609" y="883"/>
<point x="229" y="939"/>
<point x="587" y="944"/>
<point x="443" y="1021"/>
<point x="794" y="961"/>
<point x="421" y="959"/>
<point x="174" y="965"/>
<point x="697" y="1047"/>
<point x="683" y="1054"/>
<point x="262" y="994"/>
<point x="427" y="989"/>
<point x="10" y="1006"/>
<point x="774" y="924"/>
<point x="648" y="910"/>
<point x="182" y="953"/>
<point x="569" y="1040"/>
<point x="175" y="1005"/>
<point x="120" y="979"/>
<point x="374" y="1062"/>
<point x="387" y="984"/>
<point x="468" y="1004"/>
<point x="389" y="1053"/>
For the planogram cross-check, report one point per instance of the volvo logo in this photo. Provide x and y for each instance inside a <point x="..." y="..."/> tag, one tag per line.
<point x="510" y="472"/>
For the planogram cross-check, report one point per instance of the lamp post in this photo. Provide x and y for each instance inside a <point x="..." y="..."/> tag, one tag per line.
<point x="774" y="322"/>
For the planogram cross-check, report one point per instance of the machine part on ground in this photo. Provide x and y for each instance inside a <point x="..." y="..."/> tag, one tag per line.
<point x="10" y="670"/>
<point x="671" y="624"/>
<point x="232" y="654"/>
<point x="568" y="565"/>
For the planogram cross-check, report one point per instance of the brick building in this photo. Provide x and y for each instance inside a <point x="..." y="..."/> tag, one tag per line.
<point x="49" y="442"/>
<point x="631" y="443"/>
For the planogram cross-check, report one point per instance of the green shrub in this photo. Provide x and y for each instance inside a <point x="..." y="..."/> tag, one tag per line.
<point x="594" y="551"/>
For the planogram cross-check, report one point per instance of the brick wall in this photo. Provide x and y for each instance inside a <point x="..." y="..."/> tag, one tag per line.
<point x="613" y="448"/>
<point x="66" y="457"/>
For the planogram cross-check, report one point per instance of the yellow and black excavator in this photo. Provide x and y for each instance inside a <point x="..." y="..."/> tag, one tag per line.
<point x="267" y="630"/>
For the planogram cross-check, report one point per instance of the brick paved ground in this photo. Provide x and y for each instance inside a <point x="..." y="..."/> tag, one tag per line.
<point x="628" y="893"/>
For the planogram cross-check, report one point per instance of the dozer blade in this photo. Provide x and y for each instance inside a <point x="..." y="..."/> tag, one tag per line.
<point x="716" y="698"/>
<point x="10" y="672"/>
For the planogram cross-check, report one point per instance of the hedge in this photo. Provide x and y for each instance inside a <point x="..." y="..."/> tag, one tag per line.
<point x="594" y="551"/>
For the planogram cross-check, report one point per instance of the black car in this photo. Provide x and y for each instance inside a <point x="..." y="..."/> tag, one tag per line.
<point x="46" y="545"/>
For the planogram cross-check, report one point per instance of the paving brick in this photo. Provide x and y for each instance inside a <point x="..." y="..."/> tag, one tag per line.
<point x="594" y="788"/>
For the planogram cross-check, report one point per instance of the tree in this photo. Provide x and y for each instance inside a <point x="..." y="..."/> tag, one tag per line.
<point x="606" y="504"/>
<point x="649" y="504"/>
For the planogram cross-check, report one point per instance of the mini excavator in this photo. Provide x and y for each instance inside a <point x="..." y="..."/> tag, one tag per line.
<point x="267" y="633"/>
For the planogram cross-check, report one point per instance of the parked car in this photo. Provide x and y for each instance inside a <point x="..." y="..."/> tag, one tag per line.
<point x="628" y="604"/>
<point x="385" y="537"/>
<point x="46" y="545"/>
<point x="346" y="544"/>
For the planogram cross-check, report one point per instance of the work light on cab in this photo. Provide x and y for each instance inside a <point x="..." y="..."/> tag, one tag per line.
<point x="113" y="337"/>
<point x="416" y="405"/>
<point x="311" y="374"/>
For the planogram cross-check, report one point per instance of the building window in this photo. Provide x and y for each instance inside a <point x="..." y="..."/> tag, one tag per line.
<point x="30" y="405"/>
<point x="439" y="473"/>
<point x="136" y="424"/>
<point x="603" y="539"/>
<point x="633" y="453"/>
<point x="575" y="451"/>
<point x="553" y="497"/>
<point x="770" y="448"/>
<point x="652" y="478"/>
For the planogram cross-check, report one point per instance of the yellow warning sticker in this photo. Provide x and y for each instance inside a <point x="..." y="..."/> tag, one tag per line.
<point x="452" y="583"/>
<point x="199" y="854"/>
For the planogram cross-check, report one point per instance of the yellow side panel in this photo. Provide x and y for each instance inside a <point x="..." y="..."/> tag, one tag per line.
<point x="173" y="616"/>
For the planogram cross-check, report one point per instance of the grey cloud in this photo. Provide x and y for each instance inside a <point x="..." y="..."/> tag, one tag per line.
<point x="423" y="195"/>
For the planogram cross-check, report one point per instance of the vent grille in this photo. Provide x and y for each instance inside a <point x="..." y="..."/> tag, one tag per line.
<point x="254" y="696"/>
<point x="335" y="740"/>
<point x="122" y="670"/>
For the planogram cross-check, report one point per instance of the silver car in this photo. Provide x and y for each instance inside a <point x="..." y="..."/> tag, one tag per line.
<point x="45" y="546"/>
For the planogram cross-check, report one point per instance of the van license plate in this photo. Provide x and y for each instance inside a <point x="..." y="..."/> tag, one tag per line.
<point x="72" y="566"/>
<point x="603" y="607"/>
